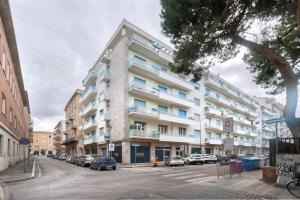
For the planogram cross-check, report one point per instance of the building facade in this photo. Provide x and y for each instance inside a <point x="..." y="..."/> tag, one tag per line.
<point x="59" y="136"/>
<point x="15" y="121"/>
<point x="73" y="142"/>
<point x="133" y="100"/>
<point x="42" y="142"/>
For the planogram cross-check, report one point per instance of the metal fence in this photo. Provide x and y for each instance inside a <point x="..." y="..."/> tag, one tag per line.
<point x="285" y="145"/>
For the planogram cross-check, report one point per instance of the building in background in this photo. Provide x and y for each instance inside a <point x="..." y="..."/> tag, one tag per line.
<point x="15" y="120"/>
<point x="59" y="136"/>
<point x="74" y="137"/>
<point x="42" y="142"/>
<point x="133" y="100"/>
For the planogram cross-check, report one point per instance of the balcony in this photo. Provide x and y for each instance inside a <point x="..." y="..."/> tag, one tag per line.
<point x="212" y="111"/>
<point x="143" y="112"/>
<point x="88" y="94"/>
<point x="91" y="77"/>
<point x="89" y="139"/>
<point x="217" y="141"/>
<point x="89" y="125"/>
<point x="248" y="144"/>
<point x="151" y="49"/>
<point x="155" y="72"/>
<point x="258" y="145"/>
<point x="105" y="116"/>
<point x="169" y="117"/>
<point x="226" y="103"/>
<point x="141" y="134"/>
<point x="71" y="140"/>
<point x="224" y="88"/>
<point x="238" y="143"/>
<point x="265" y="145"/>
<point x="192" y="139"/>
<point x="105" y="75"/>
<point x="153" y="93"/>
<point x="214" y="126"/>
<point x="253" y="134"/>
<point x="88" y="110"/>
<point x="106" y="96"/>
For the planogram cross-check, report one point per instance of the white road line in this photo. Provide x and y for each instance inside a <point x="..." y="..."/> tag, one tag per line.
<point x="189" y="176"/>
<point x="176" y="174"/>
<point x="199" y="180"/>
<point x="40" y="172"/>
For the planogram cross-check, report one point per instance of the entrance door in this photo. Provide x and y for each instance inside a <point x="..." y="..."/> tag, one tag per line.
<point x="139" y="154"/>
<point x="117" y="154"/>
<point x="162" y="152"/>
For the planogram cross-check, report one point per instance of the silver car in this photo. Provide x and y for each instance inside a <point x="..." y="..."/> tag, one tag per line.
<point x="194" y="159"/>
<point x="174" y="160"/>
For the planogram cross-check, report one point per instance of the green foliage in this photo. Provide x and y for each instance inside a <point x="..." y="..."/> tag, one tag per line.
<point x="204" y="31"/>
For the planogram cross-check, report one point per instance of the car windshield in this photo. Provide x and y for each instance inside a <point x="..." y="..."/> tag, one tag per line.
<point x="196" y="155"/>
<point x="176" y="157"/>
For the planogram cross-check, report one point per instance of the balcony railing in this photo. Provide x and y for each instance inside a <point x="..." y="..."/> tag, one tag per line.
<point x="90" y="92"/>
<point x="90" y="108"/>
<point x="143" y="111"/>
<point x="91" y="76"/>
<point x="212" y="140"/>
<point x="144" y="134"/>
<point x="214" y="126"/>
<point x="89" y="125"/>
<point x="89" y="139"/>
<point x="155" y="72"/>
<point x="105" y="75"/>
<point x="194" y="139"/>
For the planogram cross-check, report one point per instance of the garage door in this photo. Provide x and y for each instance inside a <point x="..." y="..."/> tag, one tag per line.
<point x="140" y="154"/>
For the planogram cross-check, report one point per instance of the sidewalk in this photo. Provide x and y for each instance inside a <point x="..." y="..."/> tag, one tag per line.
<point x="134" y="165"/>
<point x="250" y="182"/>
<point x="16" y="172"/>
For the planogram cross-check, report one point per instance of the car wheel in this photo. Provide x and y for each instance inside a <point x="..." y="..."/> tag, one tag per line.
<point x="91" y="167"/>
<point x="188" y="162"/>
<point x="114" y="168"/>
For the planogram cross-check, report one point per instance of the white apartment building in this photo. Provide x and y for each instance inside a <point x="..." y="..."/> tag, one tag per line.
<point x="133" y="99"/>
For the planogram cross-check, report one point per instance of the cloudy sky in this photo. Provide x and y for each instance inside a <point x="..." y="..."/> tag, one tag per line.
<point x="59" y="40"/>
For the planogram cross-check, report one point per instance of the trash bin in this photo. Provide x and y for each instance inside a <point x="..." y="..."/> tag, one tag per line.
<point x="251" y="163"/>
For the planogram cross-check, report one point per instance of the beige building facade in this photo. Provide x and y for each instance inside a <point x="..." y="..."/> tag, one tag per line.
<point x="74" y="135"/>
<point x="42" y="142"/>
<point x="59" y="136"/>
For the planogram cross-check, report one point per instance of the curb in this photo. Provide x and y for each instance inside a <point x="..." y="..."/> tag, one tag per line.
<point x="21" y="179"/>
<point x="1" y="193"/>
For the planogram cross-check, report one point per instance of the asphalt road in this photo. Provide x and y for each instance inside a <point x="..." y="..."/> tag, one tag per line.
<point x="59" y="180"/>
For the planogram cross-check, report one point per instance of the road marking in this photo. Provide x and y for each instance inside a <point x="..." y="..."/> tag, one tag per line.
<point x="203" y="179"/>
<point x="189" y="176"/>
<point x="176" y="174"/>
<point x="39" y="169"/>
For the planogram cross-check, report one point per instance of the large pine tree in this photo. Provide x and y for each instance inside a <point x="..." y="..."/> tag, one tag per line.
<point x="207" y="30"/>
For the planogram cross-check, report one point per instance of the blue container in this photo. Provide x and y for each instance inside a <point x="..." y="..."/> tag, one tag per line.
<point x="251" y="164"/>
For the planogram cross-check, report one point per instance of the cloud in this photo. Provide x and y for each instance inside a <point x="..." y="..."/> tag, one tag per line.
<point x="59" y="40"/>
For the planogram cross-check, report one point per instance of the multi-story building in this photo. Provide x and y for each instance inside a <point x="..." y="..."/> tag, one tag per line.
<point x="42" y="142"/>
<point x="59" y="136"/>
<point x="74" y="136"/>
<point x="15" y="121"/>
<point x="132" y="99"/>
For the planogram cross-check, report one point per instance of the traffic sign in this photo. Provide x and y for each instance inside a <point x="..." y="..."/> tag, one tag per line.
<point x="111" y="147"/>
<point x="228" y="125"/>
<point x="228" y="144"/>
<point x="24" y="141"/>
<point x="181" y="147"/>
<point x="275" y="120"/>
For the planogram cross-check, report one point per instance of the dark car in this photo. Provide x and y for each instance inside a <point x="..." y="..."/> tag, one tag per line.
<point x="101" y="163"/>
<point x="73" y="159"/>
<point x="62" y="157"/>
<point x="223" y="158"/>
<point x="84" y="160"/>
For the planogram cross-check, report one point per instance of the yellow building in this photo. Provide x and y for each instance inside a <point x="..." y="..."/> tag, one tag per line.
<point x="42" y="142"/>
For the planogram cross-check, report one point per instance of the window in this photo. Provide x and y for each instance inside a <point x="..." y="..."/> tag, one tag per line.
<point x="182" y="131"/>
<point x="197" y="132"/>
<point x="8" y="147"/>
<point x="162" y="129"/>
<point x="3" y="60"/>
<point x="101" y="131"/>
<point x="14" y="148"/>
<point x="197" y="101"/>
<point x="10" y="115"/>
<point x="139" y="60"/>
<point x="182" y="95"/>
<point x="162" y="89"/>
<point x="3" y="104"/>
<point x="162" y="109"/>
<point x="18" y="149"/>
<point x="1" y="144"/>
<point x="139" y="82"/>
<point x="218" y="122"/>
<point x="196" y="117"/>
<point x="139" y="103"/>
<point x="207" y="91"/>
<point x="15" y="122"/>
<point x="197" y="86"/>
<point x="182" y="113"/>
<point x="140" y="126"/>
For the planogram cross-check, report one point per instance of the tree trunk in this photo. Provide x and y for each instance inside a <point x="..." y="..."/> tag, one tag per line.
<point x="289" y="77"/>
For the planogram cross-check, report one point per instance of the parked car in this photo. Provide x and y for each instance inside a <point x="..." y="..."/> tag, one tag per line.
<point x="209" y="158"/>
<point x="174" y="160"/>
<point x="102" y="162"/>
<point x="62" y="157"/>
<point x="222" y="158"/>
<point x="73" y="159"/>
<point x="194" y="159"/>
<point x="55" y="156"/>
<point x="84" y="160"/>
<point x="49" y="155"/>
<point x="68" y="159"/>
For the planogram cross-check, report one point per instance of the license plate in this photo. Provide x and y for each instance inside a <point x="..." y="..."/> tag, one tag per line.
<point x="109" y="167"/>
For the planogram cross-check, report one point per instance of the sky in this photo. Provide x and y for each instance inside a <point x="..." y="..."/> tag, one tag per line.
<point x="59" y="40"/>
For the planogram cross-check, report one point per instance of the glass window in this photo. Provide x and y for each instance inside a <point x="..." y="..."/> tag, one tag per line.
<point x="3" y="104"/>
<point x="162" y="109"/>
<point x="1" y="144"/>
<point x="197" y="101"/>
<point x="139" y="103"/>
<point x="182" y="131"/>
<point x="139" y="125"/>
<point x="182" y="95"/>
<point x="163" y="129"/>
<point x="196" y="117"/>
<point x="101" y="131"/>
<point x="8" y="147"/>
<point x="162" y="89"/>
<point x="218" y="122"/>
<point x="139" y="60"/>
<point x="182" y="113"/>
<point x="139" y="81"/>
<point x="197" y="86"/>
<point x="207" y="91"/>
<point x="197" y="132"/>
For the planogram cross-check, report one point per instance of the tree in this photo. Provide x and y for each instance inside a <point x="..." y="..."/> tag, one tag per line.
<point x="205" y="31"/>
